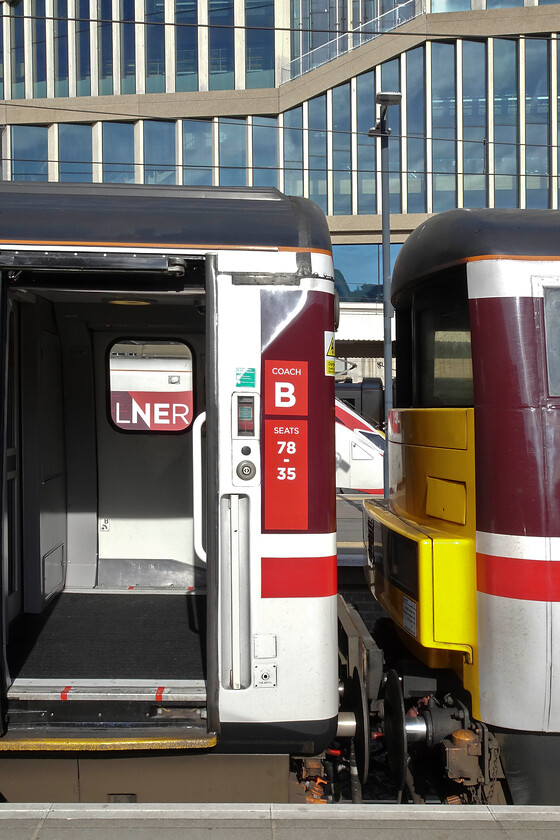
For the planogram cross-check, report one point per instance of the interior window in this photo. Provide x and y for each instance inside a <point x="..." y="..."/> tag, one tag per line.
<point x="443" y="349"/>
<point x="151" y="387"/>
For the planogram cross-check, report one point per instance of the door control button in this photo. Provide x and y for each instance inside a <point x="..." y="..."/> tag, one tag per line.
<point x="246" y="470"/>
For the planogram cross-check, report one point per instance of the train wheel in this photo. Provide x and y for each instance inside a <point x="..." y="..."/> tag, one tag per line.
<point x="362" y="737"/>
<point x="394" y="729"/>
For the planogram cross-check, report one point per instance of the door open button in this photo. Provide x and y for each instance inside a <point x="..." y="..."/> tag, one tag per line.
<point x="246" y="470"/>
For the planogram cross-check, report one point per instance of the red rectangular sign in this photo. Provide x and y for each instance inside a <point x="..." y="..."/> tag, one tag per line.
<point x="285" y="388"/>
<point x="286" y="475"/>
<point x="298" y="577"/>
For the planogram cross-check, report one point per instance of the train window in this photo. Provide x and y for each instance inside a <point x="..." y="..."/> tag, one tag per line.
<point x="552" y="334"/>
<point x="443" y="350"/>
<point x="150" y="385"/>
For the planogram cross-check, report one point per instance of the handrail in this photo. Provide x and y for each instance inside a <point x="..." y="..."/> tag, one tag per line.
<point x="389" y="20"/>
<point x="199" y="422"/>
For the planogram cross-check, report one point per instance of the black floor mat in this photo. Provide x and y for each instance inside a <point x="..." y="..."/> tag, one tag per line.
<point x="112" y="636"/>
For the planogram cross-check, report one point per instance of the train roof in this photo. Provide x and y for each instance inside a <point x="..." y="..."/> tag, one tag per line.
<point x="190" y="217"/>
<point x="457" y="236"/>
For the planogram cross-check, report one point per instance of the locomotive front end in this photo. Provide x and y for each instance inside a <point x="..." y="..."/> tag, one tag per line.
<point x="463" y="556"/>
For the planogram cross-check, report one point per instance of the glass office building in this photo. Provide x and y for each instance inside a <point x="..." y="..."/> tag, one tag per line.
<point x="282" y="93"/>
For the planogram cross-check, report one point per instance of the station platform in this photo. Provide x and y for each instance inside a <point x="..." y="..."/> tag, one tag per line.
<point x="276" y="822"/>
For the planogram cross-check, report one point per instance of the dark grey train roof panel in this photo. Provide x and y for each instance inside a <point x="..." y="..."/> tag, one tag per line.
<point x="457" y="236"/>
<point x="211" y="217"/>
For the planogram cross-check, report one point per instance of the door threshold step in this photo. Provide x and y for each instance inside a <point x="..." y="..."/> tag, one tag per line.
<point x="107" y="740"/>
<point x="158" y="691"/>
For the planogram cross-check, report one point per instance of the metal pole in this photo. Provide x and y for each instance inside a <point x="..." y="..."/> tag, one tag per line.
<point x="387" y="306"/>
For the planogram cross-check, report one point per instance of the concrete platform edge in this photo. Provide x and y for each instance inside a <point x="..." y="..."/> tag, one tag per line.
<point x="265" y="812"/>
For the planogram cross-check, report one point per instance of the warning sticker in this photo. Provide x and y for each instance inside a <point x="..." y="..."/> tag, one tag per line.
<point x="409" y="615"/>
<point x="329" y="353"/>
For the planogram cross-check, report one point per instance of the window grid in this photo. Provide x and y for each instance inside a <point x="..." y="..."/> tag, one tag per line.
<point x="501" y="149"/>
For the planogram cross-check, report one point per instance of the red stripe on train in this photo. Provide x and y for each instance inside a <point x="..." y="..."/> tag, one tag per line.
<point x="298" y="577"/>
<point x="524" y="580"/>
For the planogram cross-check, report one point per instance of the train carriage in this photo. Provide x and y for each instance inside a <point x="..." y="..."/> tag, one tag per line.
<point x="464" y="555"/>
<point x="168" y="543"/>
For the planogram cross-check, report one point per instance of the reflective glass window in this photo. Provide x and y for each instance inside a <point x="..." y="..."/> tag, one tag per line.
<point x="259" y="43"/>
<point x="364" y="12"/>
<point x="29" y="153"/>
<point x="358" y="271"/>
<point x="83" y="64"/>
<point x="233" y="152"/>
<point x="186" y="45"/>
<point x="150" y="386"/>
<point x="159" y="152"/>
<point x="293" y="152"/>
<point x="118" y="153"/>
<point x="391" y="81"/>
<point x="450" y="5"/>
<point x="18" y="77"/>
<point x="265" y="152"/>
<point x="317" y="122"/>
<point x="154" y="11"/>
<point x="220" y="51"/>
<point x="60" y="47"/>
<point x="416" y="130"/>
<point x="305" y="26"/>
<point x="319" y="23"/>
<point x="506" y="124"/>
<point x="326" y="21"/>
<point x="502" y="4"/>
<point x="295" y="34"/>
<point x="475" y="146"/>
<point x="197" y="152"/>
<point x="74" y="153"/>
<point x="342" y="151"/>
<point x="537" y="123"/>
<point x="105" y="47"/>
<point x="444" y="147"/>
<point x="128" y="47"/>
<point x="365" y="98"/>
<point x="39" y="48"/>
<point x="442" y="340"/>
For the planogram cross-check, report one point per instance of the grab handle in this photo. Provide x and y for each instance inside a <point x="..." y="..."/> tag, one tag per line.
<point x="199" y="549"/>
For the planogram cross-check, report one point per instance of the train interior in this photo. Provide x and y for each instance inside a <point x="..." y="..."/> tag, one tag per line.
<point x="103" y="594"/>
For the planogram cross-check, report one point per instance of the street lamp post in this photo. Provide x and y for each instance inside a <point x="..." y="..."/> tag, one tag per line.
<point x="381" y="129"/>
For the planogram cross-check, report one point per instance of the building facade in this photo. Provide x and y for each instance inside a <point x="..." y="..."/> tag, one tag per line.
<point x="282" y="93"/>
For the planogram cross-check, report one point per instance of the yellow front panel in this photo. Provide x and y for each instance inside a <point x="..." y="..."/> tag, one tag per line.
<point x="432" y="508"/>
<point x="446" y="500"/>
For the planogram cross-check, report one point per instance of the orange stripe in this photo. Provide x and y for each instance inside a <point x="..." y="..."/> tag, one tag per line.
<point x="64" y="693"/>
<point x="533" y="258"/>
<point x="298" y="577"/>
<point x="159" y="693"/>
<point x="306" y="250"/>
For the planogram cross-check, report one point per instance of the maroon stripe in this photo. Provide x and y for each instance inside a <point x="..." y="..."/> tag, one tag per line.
<point x="523" y="580"/>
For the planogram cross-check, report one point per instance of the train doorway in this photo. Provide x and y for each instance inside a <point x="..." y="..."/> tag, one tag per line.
<point x="109" y="598"/>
